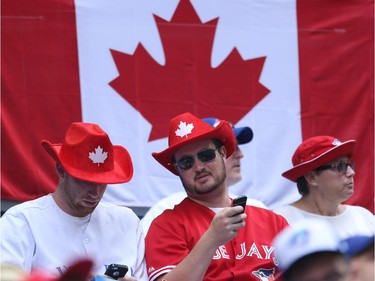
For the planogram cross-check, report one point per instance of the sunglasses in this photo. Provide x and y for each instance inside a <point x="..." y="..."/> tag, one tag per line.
<point x="205" y="156"/>
<point x="341" y="167"/>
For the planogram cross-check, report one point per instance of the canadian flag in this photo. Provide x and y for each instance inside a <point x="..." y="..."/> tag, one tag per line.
<point x="289" y="69"/>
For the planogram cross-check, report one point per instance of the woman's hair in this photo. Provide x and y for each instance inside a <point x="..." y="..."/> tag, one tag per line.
<point x="303" y="186"/>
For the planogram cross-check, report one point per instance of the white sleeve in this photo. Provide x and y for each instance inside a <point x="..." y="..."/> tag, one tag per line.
<point x="140" y="270"/>
<point x="290" y="213"/>
<point x="17" y="243"/>
<point x="368" y="218"/>
<point x="159" y="207"/>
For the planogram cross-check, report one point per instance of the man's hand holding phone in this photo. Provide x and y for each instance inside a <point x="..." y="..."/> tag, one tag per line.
<point x="240" y="201"/>
<point x="117" y="272"/>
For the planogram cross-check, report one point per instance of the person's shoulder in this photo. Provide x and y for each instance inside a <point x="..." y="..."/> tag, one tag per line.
<point x="108" y="206"/>
<point x="266" y="218"/>
<point x="159" y="207"/>
<point x="285" y="209"/>
<point x="256" y="203"/>
<point x="175" y="198"/>
<point x="359" y="209"/>
<point x="38" y="204"/>
<point x="173" y="220"/>
<point x="183" y="209"/>
<point x="259" y="211"/>
<point x="169" y="202"/>
<point x="115" y="211"/>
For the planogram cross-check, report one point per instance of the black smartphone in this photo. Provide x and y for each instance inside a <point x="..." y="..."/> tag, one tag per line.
<point x="116" y="270"/>
<point x="240" y="201"/>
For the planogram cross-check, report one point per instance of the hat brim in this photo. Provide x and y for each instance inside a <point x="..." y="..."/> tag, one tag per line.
<point x="356" y="244"/>
<point x="222" y="132"/>
<point x="122" y="172"/>
<point x="344" y="149"/>
<point x="243" y="134"/>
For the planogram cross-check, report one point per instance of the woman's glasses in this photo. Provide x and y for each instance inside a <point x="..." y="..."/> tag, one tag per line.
<point x="340" y="167"/>
<point x="205" y="156"/>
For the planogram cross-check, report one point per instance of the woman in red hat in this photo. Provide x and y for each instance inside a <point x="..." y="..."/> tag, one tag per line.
<point x="325" y="179"/>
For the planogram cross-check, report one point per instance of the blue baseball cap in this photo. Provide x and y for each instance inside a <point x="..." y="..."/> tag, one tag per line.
<point x="243" y="134"/>
<point x="356" y="244"/>
<point x="305" y="237"/>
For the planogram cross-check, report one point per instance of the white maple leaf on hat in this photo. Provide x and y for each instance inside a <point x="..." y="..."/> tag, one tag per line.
<point x="184" y="129"/>
<point x="98" y="156"/>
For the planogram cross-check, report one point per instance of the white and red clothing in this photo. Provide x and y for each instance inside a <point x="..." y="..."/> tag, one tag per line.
<point x="170" y="201"/>
<point x="355" y="220"/>
<point x="38" y="235"/>
<point x="175" y="232"/>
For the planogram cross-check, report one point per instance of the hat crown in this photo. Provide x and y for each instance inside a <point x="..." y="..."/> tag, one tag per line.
<point x="304" y="238"/>
<point x="314" y="147"/>
<point x="87" y="147"/>
<point x="186" y="126"/>
<point x="315" y="152"/>
<point x="212" y="121"/>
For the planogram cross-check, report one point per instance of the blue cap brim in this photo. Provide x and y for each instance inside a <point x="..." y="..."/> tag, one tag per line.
<point x="243" y="134"/>
<point x="355" y="245"/>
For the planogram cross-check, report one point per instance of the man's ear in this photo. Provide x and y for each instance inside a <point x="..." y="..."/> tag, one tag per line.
<point x="60" y="170"/>
<point x="223" y="152"/>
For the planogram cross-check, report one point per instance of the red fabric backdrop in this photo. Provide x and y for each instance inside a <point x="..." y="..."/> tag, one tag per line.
<point x="41" y="91"/>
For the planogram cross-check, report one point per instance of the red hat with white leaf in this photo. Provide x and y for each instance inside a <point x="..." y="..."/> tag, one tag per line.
<point x="88" y="154"/>
<point x="315" y="152"/>
<point x="187" y="128"/>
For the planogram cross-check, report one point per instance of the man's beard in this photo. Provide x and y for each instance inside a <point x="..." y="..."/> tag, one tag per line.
<point x="75" y="206"/>
<point x="205" y="189"/>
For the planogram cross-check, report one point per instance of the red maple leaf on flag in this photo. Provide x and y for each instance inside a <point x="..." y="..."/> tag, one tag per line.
<point x="187" y="82"/>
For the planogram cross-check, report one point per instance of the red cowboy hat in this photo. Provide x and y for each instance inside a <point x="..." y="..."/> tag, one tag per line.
<point x="88" y="154"/>
<point x="315" y="152"/>
<point x="187" y="128"/>
<point x="78" y="271"/>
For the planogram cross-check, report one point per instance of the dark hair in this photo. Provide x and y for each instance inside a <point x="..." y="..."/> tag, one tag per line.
<point x="217" y="143"/>
<point x="303" y="186"/>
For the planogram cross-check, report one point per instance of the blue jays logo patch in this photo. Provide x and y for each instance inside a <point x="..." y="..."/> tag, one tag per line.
<point x="265" y="274"/>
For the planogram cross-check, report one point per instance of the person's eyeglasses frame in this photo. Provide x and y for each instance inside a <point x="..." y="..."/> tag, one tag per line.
<point x="341" y="167"/>
<point x="200" y="155"/>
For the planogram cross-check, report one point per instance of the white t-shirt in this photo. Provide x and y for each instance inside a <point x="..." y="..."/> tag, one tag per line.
<point x="170" y="201"/>
<point x="355" y="220"/>
<point x="38" y="235"/>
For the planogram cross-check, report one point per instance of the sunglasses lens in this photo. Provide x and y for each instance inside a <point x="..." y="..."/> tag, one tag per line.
<point x="185" y="162"/>
<point x="342" y="167"/>
<point x="207" y="155"/>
